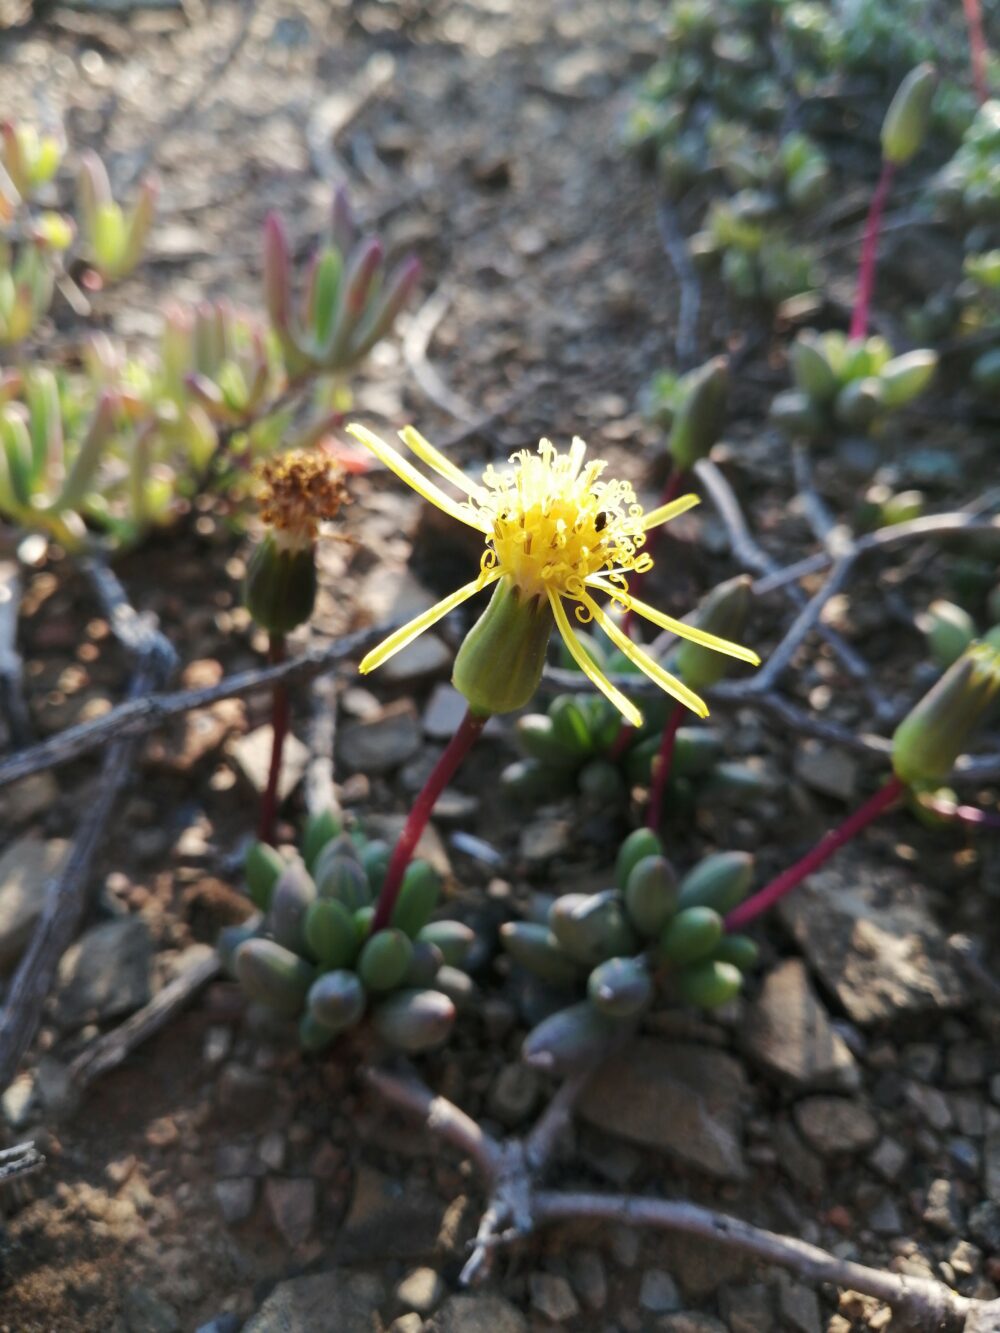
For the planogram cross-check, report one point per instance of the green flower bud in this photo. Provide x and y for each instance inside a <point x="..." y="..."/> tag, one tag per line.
<point x="535" y="948"/>
<point x="426" y="961"/>
<point x="693" y="934"/>
<point x="621" y="987"/>
<point x="280" y="587"/>
<point x="384" y="959"/>
<point x="329" y="933"/>
<point x="293" y="893"/>
<point x="337" y="1000"/>
<point x="418" y="897"/>
<point x="262" y="867"/>
<point x="570" y="1038"/>
<point x="414" y="1020"/>
<point x="950" y="630"/>
<point x="592" y="926"/>
<point x="702" y="413"/>
<point x="740" y="950"/>
<point x="710" y="984"/>
<point x="723" y="612"/>
<point x="320" y="829"/>
<point x="341" y="877"/>
<point x="453" y="938"/>
<point x="933" y="734"/>
<point x="273" y="975"/>
<point x="640" y="843"/>
<point x="501" y="659"/>
<point x="651" y="895"/>
<point x="720" y="881"/>
<point x="906" y="121"/>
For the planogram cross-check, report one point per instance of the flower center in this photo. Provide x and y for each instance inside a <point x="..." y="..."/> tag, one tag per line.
<point x="553" y="523"/>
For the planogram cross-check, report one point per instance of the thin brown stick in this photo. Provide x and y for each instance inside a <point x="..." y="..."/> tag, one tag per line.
<point x="111" y="1049"/>
<point x="143" y="714"/>
<point x="931" y="1304"/>
<point x="12" y="702"/>
<point x="318" y="781"/>
<point x="18" y="1161"/>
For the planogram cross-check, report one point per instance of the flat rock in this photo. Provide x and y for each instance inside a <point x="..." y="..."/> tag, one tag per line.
<point x="252" y="756"/>
<point x="105" y="973"/>
<point x="388" y="1218"/>
<point x="834" y="1125"/>
<point x="291" y="1203"/>
<point x="25" y="869"/>
<point x="444" y="712"/>
<point x="479" y="1313"/>
<point x="196" y="736"/>
<point x="868" y="933"/>
<point x="381" y="745"/>
<point x="682" y="1099"/>
<point x="788" y="1031"/>
<point x="831" y="772"/>
<point x="552" y="1297"/>
<point x="425" y="656"/>
<point x="337" y="1299"/>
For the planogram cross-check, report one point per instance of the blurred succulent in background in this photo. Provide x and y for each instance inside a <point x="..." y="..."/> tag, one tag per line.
<point x="950" y="631"/>
<point x="219" y="356"/>
<point x="690" y="409"/>
<point x="968" y="186"/>
<point x="757" y="260"/>
<point x="649" y="935"/>
<point x="27" y="280"/>
<point x="842" y="382"/>
<point x="29" y="157"/>
<point x="351" y="297"/>
<point x="314" y="957"/>
<point x="114" y="239"/>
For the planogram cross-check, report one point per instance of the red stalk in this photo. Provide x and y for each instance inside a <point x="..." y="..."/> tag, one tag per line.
<point x="831" y="842"/>
<point x="279" y="730"/>
<point x="661" y="768"/>
<point x="869" y="252"/>
<point x="444" y="770"/>
<point x="977" y="47"/>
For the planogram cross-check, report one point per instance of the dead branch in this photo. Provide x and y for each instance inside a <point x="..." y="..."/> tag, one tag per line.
<point x="517" y="1207"/>
<point x="689" y="300"/>
<point x="416" y="342"/>
<point x="20" y="1160"/>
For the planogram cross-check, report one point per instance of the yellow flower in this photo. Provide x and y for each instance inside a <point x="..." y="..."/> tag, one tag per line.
<point x="555" y="533"/>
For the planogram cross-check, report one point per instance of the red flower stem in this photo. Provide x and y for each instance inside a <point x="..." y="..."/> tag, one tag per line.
<point x="977" y="48"/>
<point x="444" y="770"/>
<point x="661" y="768"/>
<point x="831" y="842"/>
<point x="279" y="730"/>
<point x="671" y="490"/>
<point x="962" y="814"/>
<point x="869" y="252"/>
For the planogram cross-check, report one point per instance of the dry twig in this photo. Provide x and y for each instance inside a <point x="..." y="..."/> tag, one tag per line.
<point x="12" y="702"/>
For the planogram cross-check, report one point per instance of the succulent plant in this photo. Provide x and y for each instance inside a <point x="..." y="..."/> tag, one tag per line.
<point x="757" y="259"/>
<point x="313" y="956"/>
<point x="848" y="383"/>
<point x="649" y="934"/>
<point x="114" y="238"/>
<point x="351" y="298"/>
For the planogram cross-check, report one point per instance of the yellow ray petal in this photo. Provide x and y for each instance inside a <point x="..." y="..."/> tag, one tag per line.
<point x="685" y="631"/>
<point x="405" y="470"/>
<point x="628" y="710"/>
<point x="413" y="628"/>
<point x="666" y="512"/>
<point x="434" y="458"/>
<point x="644" y="662"/>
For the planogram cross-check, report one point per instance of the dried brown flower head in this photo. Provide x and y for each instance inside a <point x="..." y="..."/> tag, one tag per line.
<point x="296" y="492"/>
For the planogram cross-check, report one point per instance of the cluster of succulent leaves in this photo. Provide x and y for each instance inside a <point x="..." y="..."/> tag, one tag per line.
<point x="315" y="959"/>
<point x="580" y="746"/>
<point x="747" y="237"/>
<point x="650" y="934"/>
<point x="37" y="242"/>
<point x="112" y="444"/>
<point x="847" y="383"/>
